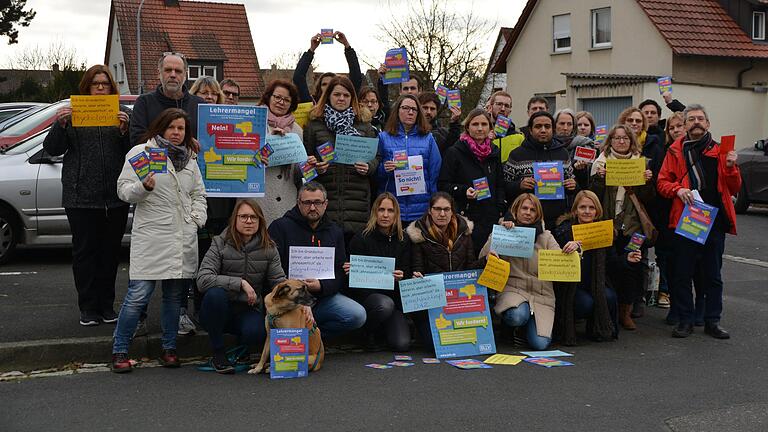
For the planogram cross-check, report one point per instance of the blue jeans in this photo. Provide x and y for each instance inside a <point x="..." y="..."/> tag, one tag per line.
<point x="135" y="302"/>
<point x="584" y="304"/>
<point x="521" y="316"/>
<point x="338" y="314"/>
<point x="218" y="315"/>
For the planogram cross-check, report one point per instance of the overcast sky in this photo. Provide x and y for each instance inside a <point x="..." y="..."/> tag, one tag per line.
<point x="82" y="24"/>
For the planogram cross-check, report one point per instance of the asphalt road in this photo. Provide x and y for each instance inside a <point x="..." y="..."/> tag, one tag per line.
<point x="646" y="381"/>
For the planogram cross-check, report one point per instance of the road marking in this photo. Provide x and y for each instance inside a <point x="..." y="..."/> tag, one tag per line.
<point x="16" y="273"/>
<point x="746" y="261"/>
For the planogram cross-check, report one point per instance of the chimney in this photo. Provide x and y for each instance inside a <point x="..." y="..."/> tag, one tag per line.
<point x="55" y="67"/>
<point x="169" y="3"/>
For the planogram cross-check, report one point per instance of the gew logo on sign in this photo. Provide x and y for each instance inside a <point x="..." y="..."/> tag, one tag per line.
<point x="253" y="187"/>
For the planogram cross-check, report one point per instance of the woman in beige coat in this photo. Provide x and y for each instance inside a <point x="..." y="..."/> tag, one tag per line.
<point x="170" y="208"/>
<point x="526" y="300"/>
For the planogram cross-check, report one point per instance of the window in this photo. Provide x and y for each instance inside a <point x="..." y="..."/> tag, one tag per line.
<point x="122" y="73"/>
<point x="758" y="25"/>
<point x="601" y="28"/>
<point x="193" y="72"/>
<point x="561" y="32"/>
<point x="209" y="71"/>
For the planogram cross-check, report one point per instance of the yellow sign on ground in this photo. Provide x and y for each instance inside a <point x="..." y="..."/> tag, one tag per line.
<point x="594" y="235"/>
<point x="556" y="266"/>
<point x="504" y="359"/>
<point x="95" y="110"/>
<point x="625" y="172"/>
<point x="302" y="113"/>
<point x="495" y="274"/>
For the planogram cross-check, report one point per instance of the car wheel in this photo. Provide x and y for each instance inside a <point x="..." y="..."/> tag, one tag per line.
<point x="742" y="204"/>
<point x="9" y="232"/>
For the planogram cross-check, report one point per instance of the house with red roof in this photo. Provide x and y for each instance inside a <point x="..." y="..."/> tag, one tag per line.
<point x="602" y="56"/>
<point x="215" y="38"/>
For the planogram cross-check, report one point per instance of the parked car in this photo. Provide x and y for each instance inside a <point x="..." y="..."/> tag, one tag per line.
<point x="30" y="198"/>
<point x="39" y="120"/>
<point x="10" y="109"/>
<point x="753" y="164"/>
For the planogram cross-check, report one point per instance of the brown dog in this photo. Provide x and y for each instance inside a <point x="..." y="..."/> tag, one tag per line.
<point x="284" y="310"/>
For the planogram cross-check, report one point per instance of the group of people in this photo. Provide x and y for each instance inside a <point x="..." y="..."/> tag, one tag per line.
<point x="231" y="253"/>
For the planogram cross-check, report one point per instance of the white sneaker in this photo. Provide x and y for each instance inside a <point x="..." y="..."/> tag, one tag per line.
<point x="186" y="326"/>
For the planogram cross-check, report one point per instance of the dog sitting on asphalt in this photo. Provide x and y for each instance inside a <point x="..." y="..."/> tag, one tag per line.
<point x="285" y="309"/>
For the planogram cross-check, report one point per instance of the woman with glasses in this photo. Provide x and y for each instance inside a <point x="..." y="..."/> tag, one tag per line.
<point x="208" y="89"/>
<point x="574" y="131"/>
<point x="407" y="137"/>
<point x="93" y="158"/>
<point x="170" y="208"/>
<point x="617" y="204"/>
<point x="370" y="99"/>
<point x="240" y="268"/>
<point x="338" y="112"/>
<point x="442" y="242"/>
<point x="649" y="144"/>
<point x="526" y="300"/>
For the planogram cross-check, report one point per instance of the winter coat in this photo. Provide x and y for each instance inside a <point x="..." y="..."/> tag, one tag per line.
<point x="225" y="267"/>
<point x="514" y="141"/>
<point x="376" y="243"/>
<point x="524" y="285"/>
<point x="349" y="193"/>
<point x="281" y="182"/>
<point x="149" y="106"/>
<point x="293" y="230"/>
<point x="460" y="167"/>
<point x="520" y="166"/>
<point x="445" y="137"/>
<point x="93" y="158"/>
<point x="429" y="256"/>
<point x="166" y="220"/>
<point x="674" y="175"/>
<point x="412" y="207"/>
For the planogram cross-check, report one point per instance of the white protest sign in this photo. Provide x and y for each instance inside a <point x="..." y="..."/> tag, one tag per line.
<point x="311" y="262"/>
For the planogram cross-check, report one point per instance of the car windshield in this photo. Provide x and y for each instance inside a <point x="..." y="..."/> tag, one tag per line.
<point x="29" y="122"/>
<point x="27" y="144"/>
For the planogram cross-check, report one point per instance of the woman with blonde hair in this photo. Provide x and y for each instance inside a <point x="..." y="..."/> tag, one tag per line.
<point x="209" y="89"/>
<point x="648" y="144"/>
<point x="383" y="237"/>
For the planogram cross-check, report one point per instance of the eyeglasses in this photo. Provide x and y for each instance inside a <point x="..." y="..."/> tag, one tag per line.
<point x="620" y="138"/>
<point x="285" y="100"/>
<point x="409" y="108"/>
<point x="630" y="120"/>
<point x="502" y="105"/>
<point x="370" y="101"/>
<point x="438" y="210"/>
<point x="309" y="204"/>
<point x="245" y="218"/>
<point x="97" y="84"/>
<point x="232" y="94"/>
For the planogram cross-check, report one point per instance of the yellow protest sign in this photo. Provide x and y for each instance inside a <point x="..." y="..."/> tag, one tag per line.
<point x="594" y="235"/>
<point x="504" y="359"/>
<point x="625" y="172"/>
<point x="556" y="266"/>
<point x="302" y="113"/>
<point x="95" y="110"/>
<point x="495" y="274"/>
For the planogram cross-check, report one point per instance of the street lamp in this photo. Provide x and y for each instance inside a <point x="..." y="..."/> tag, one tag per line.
<point x="138" y="48"/>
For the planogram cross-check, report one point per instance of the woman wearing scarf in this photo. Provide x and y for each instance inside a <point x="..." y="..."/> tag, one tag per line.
<point x="282" y="99"/>
<point x="648" y="144"/>
<point x="170" y="208"/>
<point x="473" y="158"/>
<point x="566" y="128"/>
<point x="527" y="301"/>
<point x="349" y="191"/>
<point x="622" y="144"/>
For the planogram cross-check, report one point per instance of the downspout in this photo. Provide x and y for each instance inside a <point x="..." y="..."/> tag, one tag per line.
<point x="138" y="48"/>
<point x="740" y="78"/>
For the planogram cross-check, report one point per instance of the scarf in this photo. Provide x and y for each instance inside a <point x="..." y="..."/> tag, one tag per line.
<point x="641" y="139"/>
<point x="178" y="154"/>
<point x="620" y="191"/>
<point x="340" y="122"/>
<point x="480" y="150"/>
<point x="282" y="122"/>
<point x="692" y="150"/>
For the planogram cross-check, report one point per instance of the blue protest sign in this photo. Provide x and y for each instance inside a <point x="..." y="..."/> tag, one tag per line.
<point x="516" y="242"/>
<point x="350" y="149"/>
<point x="371" y="272"/>
<point x="288" y="149"/>
<point x="422" y="293"/>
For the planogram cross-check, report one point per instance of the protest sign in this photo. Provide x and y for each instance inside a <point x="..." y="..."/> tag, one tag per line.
<point x="496" y="274"/>
<point x="288" y="349"/>
<point x="422" y="293"/>
<point x="400" y="157"/>
<point x="351" y="149"/>
<point x="601" y="134"/>
<point x="504" y="359"/>
<point x="396" y="62"/>
<point x="263" y="154"/>
<point x="311" y="262"/>
<point x="98" y="110"/>
<point x="287" y="149"/>
<point x="696" y="221"/>
<point x="454" y="98"/>
<point x="556" y="266"/>
<point x="625" y="172"/>
<point x="140" y="164"/>
<point x="442" y="93"/>
<point x="482" y="188"/>
<point x="326" y="36"/>
<point x="410" y="182"/>
<point x="549" y="180"/>
<point x="371" y="272"/>
<point x="635" y="243"/>
<point x="301" y="115"/>
<point x="594" y="235"/>
<point x="501" y="126"/>
<point x="308" y="172"/>
<point x="547" y="362"/>
<point x="516" y="242"/>
<point x="326" y="152"/>
<point x="665" y="84"/>
<point x="585" y="154"/>
<point x="727" y="143"/>
<point x="158" y="160"/>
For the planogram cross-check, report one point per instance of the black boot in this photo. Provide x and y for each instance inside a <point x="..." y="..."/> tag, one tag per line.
<point x="683" y="330"/>
<point x="713" y="329"/>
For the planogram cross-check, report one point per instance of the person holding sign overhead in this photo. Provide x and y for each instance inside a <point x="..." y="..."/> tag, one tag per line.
<point x="349" y="191"/>
<point x="594" y="298"/>
<point x="383" y="237"/>
<point x="406" y="138"/>
<point x="93" y="158"/>
<point x="526" y="300"/>
<point x="170" y="208"/>
<point x="472" y="174"/>
<point x="300" y="74"/>
<point x="621" y="206"/>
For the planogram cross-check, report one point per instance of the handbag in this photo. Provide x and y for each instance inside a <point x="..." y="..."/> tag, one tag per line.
<point x="649" y="230"/>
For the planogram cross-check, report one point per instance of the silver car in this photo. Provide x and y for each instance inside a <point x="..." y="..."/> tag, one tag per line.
<point x="30" y="198"/>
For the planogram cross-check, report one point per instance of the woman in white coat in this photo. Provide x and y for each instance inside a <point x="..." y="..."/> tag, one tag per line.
<point x="170" y="207"/>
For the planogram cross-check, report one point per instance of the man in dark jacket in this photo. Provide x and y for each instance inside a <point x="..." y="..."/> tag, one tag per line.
<point x="444" y="137"/>
<point x="171" y="93"/>
<point x="652" y="112"/>
<point x="539" y="146"/>
<point x="306" y="225"/>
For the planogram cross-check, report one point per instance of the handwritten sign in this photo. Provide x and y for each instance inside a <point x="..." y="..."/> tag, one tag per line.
<point x="422" y="293"/>
<point x="302" y="113"/>
<point x="287" y="149"/>
<point x="696" y="221"/>
<point x="350" y="149"/>
<point x="594" y="235"/>
<point x="410" y="182"/>
<point x="625" y="172"/>
<point x="516" y="242"/>
<point x="585" y="154"/>
<point x="496" y="274"/>
<point x="396" y="61"/>
<point x="556" y="266"/>
<point x="549" y="180"/>
<point x="95" y="110"/>
<point x="665" y="84"/>
<point x="310" y="262"/>
<point x="371" y="272"/>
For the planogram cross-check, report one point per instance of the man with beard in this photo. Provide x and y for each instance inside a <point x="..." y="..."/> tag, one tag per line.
<point x="444" y="137"/>
<point x="694" y="166"/>
<point x="500" y="104"/>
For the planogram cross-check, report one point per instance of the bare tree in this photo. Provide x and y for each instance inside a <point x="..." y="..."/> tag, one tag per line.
<point x="288" y="60"/>
<point x="443" y="44"/>
<point x="58" y="53"/>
